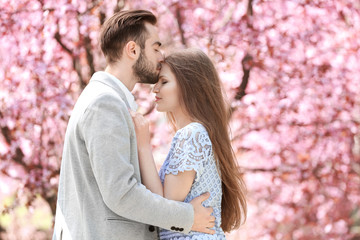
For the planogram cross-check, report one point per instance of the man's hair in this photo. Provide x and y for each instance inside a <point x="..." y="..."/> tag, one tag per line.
<point x="122" y="27"/>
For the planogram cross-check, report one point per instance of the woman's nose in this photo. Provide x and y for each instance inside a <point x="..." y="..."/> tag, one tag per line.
<point x="156" y="88"/>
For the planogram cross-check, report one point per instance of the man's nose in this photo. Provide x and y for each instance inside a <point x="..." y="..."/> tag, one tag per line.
<point x="161" y="56"/>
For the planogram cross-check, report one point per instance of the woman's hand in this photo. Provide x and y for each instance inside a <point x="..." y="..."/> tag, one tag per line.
<point x="148" y="171"/>
<point x="141" y="129"/>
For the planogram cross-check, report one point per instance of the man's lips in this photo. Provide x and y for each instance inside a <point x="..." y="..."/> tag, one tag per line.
<point x="157" y="99"/>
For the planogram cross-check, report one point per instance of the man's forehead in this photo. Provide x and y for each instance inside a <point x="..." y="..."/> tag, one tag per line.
<point x="153" y="32"/>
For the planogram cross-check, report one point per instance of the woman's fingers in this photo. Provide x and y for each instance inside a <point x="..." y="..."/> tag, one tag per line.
<point x="138" y="119"/>
<point x="141" y="128"/>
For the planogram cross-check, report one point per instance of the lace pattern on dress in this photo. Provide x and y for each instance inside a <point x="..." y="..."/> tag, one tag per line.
<point x="198" y="237"/>
<point x="192" y="148"/>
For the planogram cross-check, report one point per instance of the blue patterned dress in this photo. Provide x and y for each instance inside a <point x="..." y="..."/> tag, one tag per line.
<point x="191" y="149"/>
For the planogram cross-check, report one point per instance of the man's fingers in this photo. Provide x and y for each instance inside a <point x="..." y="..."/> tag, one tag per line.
<point x="211" y="225"/>
<point x="210" y="231"/>
<point x="205" y="230"/>
<point x="204" y="220"/>
<point x="203" y="197"/>
<point x="210" y="210"/>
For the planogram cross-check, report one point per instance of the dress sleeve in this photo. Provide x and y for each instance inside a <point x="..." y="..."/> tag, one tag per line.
<point x="191" y="151"/>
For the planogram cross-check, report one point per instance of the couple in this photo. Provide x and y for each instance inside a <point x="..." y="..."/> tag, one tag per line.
<point x="109" y="187"/>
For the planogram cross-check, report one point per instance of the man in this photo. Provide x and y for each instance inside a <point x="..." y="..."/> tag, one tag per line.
<point x="100" y="192"/>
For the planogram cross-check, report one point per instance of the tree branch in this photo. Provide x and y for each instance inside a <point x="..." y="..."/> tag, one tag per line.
<point x="102" y="17"/>
<point x="247" y="64"/>
<point x="257" y="169"/>
<point x="57" y="37"/>
<point x="249" y="11"/>
<point x="90" y="8"/>
<point x="119" y="5"/>
<point x="75" y="59"/>
<point x="180" y="22"/>
<point x="18" y="156"/>
<point x="89" y="55"/>
<point x="77" y="67"/>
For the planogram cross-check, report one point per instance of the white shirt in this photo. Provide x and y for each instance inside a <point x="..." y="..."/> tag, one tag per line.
<point x="129" y="97"/>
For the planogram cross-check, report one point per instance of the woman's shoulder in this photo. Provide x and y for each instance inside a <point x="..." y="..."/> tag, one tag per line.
<point x="193" y="128"/>
<point x="194" y="132"/>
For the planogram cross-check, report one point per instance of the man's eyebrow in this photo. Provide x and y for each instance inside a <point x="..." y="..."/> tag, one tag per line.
<point x="157" y="43"/>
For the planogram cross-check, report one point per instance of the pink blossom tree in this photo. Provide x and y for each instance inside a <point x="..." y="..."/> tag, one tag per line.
<point x="290" y="70"/>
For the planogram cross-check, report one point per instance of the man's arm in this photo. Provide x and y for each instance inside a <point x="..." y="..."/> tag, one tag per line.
<point x="107" y="129"/>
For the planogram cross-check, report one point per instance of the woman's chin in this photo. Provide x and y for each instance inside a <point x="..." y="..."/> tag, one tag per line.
<point x="159" y="109"/>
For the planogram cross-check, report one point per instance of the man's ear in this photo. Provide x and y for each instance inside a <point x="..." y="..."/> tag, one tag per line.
<point x="132" y="50"/>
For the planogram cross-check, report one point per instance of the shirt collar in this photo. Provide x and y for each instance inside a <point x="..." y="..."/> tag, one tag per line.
<point x="129" y="97"/>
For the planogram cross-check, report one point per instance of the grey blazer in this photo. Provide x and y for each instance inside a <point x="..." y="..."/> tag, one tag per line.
<point x="100" y="194"/>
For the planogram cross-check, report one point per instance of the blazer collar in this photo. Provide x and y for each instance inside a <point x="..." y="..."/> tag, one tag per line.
<point x="118" y="86"/>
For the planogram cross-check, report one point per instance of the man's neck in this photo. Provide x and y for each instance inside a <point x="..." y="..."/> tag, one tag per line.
<point x="123" y="73"/>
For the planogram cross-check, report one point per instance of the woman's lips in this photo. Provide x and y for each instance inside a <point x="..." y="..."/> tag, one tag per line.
<point x="157" y="99"/>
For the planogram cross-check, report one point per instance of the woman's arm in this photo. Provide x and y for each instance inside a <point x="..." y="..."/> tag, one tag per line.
<point x="148" y="171"/>
<point x="149" y="175"/>
<point x="176" y="187"/>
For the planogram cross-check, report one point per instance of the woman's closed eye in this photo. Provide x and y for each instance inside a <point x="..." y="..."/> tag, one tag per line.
<point x="162" y="80"/>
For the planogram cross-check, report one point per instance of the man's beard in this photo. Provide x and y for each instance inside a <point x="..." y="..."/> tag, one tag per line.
<point x="144" y="71"/>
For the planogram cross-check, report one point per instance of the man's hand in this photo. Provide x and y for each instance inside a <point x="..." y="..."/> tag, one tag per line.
<point x="202" y="216"/>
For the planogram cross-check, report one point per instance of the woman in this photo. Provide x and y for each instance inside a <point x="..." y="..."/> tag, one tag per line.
<point x="200" y="158"/>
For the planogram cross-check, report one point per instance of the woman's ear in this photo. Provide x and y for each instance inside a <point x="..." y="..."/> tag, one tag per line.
<point x="132" y="50"/>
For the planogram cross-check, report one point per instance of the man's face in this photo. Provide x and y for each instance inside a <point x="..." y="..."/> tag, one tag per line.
<point x="147" y="67"/>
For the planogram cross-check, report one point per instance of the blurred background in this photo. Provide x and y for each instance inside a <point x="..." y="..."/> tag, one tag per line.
<point x="291" y="72"/>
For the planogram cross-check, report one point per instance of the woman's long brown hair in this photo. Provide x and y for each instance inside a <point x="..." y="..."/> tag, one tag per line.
<point x="202" y="97"/>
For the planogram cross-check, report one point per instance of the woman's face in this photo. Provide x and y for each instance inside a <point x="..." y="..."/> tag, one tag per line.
<point x="167" y="92"/>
